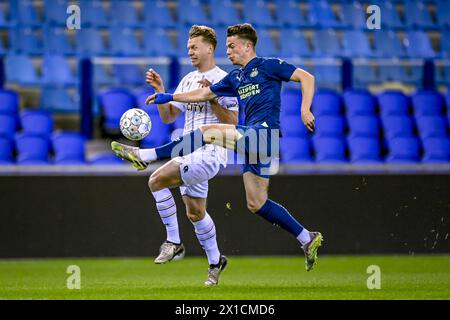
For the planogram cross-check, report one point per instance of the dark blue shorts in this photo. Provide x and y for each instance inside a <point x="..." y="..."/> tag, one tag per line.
<point x="258" y="145"/>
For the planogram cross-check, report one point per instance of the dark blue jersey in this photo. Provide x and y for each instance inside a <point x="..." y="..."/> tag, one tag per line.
<point x="258" y="88"/>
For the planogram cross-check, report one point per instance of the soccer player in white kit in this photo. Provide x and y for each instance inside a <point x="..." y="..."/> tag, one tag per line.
<point x="191" y="173"/>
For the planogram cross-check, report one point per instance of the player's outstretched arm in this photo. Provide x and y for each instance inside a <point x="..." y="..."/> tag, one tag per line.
<point x="167" y="112"/>
<point x="307" y="81"/>
<point x="223" y="114"/>
<point x="199" y="95"/>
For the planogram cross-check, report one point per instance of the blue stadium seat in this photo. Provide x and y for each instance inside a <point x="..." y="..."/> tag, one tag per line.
<point x="418" y="45"/>
<point x="123" y="42"/>
<point x="56" y="42"/>
<point x="387" y="44"/>
<point x="54" y="99"/>
<point x="436" y="150"/>
<point x="2" y="48"/>
<point x="356" y="44"/>
<point x="128" y="74"/>
<point x="90" y="42"/>
<point x="443" y="13"/>
<point x="390" y="16"/>
<point x="266" y="46"/>
<point x="292" y="126"/>
<point x="293" y="44"/>
<point x="330" y="150"/>
<point x="364" y="75"/>
<point x="103" y="75"/>
<point x="140" y="99"/>
<point x="432" y="126"/>
<point x="32" y="149"/>
<point x="159" y="135"/>
<point x="364" y="126"/>
<point x="395" y="72"/>
<point x="20" y="69"/>
<point x="68" y="148"/>
<point x="417" y="15"/>
<point x="6" y="151"/>
<point x="289" y="14"/>
<point x="397" y="126"/>
<point x="23" y="13"/>
<point x="359" y="103"/>
<point x="7" y="126"/>
<point x="226" y="15"/>
<point x="328" y="76"/>
<point x="93" y="14"/>
<point x="290" y="102"/>
<point x="182" y="40"/>
<point x="354" y="15"/>
<point x="221" y="48"/>
<point x="447" y="101"/>
<point x="4" y="22"/>
<point x="329" y="126"/>
<point x="393" y="103"/>
<point x="326" y="43"/>
<point x="106" y="159"/>
<point x="364" y="150"/>
<point x="327" y="102"/>
<point x="403" y="150"/>
<point x="257" y="13"/>
<point x="160" y="16"/>
<point x="36" y="122"/>
<point x="54" y="12"/>
<point x="445" y="43"/>
<point x="295" y="150"/>
<point x="427" y="103"/>
<point x="9" y="102"/>
<point x="56" y="71"/>
<point x="113" y="104"/>
<point x="157" y="43"/>
<point x="25" y="41"/>
<point x="191" y="12"/>
<point x="321" y="14"/>
<point x="124" y="14"/>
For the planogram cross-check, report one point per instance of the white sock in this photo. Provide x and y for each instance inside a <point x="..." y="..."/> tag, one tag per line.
<point x="147" y="154"/>
<point x="304" y="237"/>
<point x="205" y="230"/>
<point x="167" y="210"/>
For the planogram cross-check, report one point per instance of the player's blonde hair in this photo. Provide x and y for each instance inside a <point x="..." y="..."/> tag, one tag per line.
<point x="208" y="34"/>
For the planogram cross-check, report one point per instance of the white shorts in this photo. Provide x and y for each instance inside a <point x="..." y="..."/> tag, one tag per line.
<point x="196" y="169"/>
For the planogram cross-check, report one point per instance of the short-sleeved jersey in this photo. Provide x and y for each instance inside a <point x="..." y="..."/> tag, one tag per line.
<point x="258" y="88"/>
<point x="200" y="113"/>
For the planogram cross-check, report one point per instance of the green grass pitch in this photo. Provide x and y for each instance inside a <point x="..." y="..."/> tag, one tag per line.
<point x="278" y="278"/>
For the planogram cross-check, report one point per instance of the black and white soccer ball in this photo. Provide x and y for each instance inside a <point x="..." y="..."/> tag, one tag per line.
<point x="135" y="124"/>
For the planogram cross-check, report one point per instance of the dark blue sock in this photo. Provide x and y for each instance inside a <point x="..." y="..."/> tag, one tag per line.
<point x="181" y="146"/>
<point x="277" y="214"/>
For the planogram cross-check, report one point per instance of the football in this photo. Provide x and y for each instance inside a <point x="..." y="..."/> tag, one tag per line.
<point x="135" y="124"/>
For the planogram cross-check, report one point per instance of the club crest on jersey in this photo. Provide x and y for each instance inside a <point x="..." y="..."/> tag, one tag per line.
<point x="254" y="73"/>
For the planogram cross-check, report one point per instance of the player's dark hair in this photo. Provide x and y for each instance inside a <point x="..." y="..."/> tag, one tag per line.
<point x="208" y="34"/>
<point x="243" y="31"/>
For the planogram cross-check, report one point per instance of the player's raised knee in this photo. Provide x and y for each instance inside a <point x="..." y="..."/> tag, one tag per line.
<point x="154" y="182"/>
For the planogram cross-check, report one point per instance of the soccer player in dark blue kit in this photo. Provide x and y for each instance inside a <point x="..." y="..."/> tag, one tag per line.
<point x="257" y="84"/>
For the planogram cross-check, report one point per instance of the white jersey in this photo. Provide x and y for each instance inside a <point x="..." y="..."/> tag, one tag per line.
<point x="200" y="113"/>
